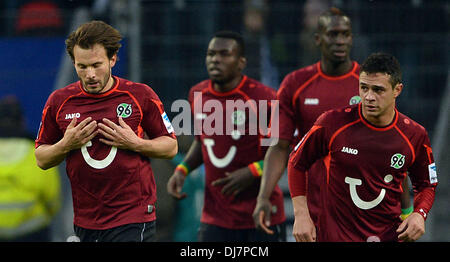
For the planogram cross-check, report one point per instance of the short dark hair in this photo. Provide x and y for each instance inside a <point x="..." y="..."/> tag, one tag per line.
<point x="333" y="11"/>
<point x="94" y="32"/>
<point x="233" y="35"/>
<point x="383" y="63"/>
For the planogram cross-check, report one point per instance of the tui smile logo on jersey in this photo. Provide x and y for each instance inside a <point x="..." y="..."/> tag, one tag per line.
<point x="98" y="164"/>
<point x="397" y="161"/>
<point x="124" y="110"/>
<point x="360" y="203"/>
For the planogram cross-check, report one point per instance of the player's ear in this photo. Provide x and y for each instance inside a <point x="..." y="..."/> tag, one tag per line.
<point x="398" y="89"/>
<point x="242" y="63"/>
<point x="113" y="60"/>
<point x="317" y="39"/>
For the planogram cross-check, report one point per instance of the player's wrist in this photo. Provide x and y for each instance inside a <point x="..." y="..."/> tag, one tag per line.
<point x="62" y="148"/>
<point x="256" y="168"/>
<point x="406" y="212"/>
<point x="423" y="213"/>
<point x="183" y="168"/>
<point x="140" y="145"/>
<point x="263" y="199"/>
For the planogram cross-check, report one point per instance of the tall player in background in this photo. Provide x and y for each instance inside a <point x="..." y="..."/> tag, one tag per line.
<point x="304" y="95"/>
<point x="370" y="148"/>
<point x="233" y="160"/>
<point x="98" y="125"/>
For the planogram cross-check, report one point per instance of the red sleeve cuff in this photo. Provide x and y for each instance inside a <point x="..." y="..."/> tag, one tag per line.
<point x="423" y="201"/>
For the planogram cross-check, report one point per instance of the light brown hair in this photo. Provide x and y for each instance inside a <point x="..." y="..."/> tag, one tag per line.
<point x="94" y="32"/>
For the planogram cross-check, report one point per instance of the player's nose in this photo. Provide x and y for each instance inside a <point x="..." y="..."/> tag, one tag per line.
<point x="90" y="73"/>
<point x="370" y="95"/>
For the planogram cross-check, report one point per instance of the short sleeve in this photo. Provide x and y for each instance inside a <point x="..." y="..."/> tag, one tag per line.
<point x="312" y="147"/>
<point x="286" y="111"/>
<point x="155" y="121"/>
<point x="49" y="131"/>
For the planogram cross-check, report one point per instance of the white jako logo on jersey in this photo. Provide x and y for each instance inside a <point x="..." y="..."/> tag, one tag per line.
<point x="98" y="164"/>
<point x="73" y="115"/>
<point x="349" y="150"/>
<point x="353" y="182"/>
<point x="311" y="101"/>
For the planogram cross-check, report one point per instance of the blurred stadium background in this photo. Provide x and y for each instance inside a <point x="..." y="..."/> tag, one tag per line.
<point x="165" y="45"/>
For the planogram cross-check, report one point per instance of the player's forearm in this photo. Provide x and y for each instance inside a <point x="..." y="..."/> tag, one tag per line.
<point x="48" y="156"/>
<point x="405" y="197"/>
<point x="274" y="166"/>
<point x="300" y="205"/>
<point x="194" y="157"/>
<point x="161" y="147"/>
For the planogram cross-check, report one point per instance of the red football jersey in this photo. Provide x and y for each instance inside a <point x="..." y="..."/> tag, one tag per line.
<point x="110" y="186"/>
<point x="226" y="150"/>
<point x="365" y="167"/>
<point x="304" y="95"/>
<point x="308" y="92"/>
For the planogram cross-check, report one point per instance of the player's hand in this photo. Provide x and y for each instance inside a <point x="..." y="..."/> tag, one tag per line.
<point x="78" y="135"/>
<point x="235" y="182"/>
<point x="175" y="185"/>
<point x="412" y="228"/>
<point x="120" y="136"/>
<point x="304" y="229"/>
<point x="261" y="215"/>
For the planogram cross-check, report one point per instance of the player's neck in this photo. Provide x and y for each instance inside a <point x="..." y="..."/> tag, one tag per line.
<point x="228" y="86"/>
<point x="382" y="120"/>
<point x="109" y="85"/>
<point x="336" y="69"/>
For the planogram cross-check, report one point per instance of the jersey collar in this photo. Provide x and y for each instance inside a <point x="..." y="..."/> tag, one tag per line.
<point x="377" y="128"/>
<point x="333" y="78"/>
<point x="232" y="91"/>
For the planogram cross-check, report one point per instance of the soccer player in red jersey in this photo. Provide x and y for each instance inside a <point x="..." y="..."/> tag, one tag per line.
<point x="304" y="95"/>
<point x="232" y="154"/>
<point x="368" y="149"/>
<point x="98" y="125"/>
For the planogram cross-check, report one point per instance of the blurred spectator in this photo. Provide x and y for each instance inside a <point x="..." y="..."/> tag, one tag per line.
<point x="311" y="10"/>
<point x="270" y="29"/>
<point x="39" y="17"/>
<point x="417" y="33"/>
<point x="29" y="196"/>
<point x="259" y="49"/>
